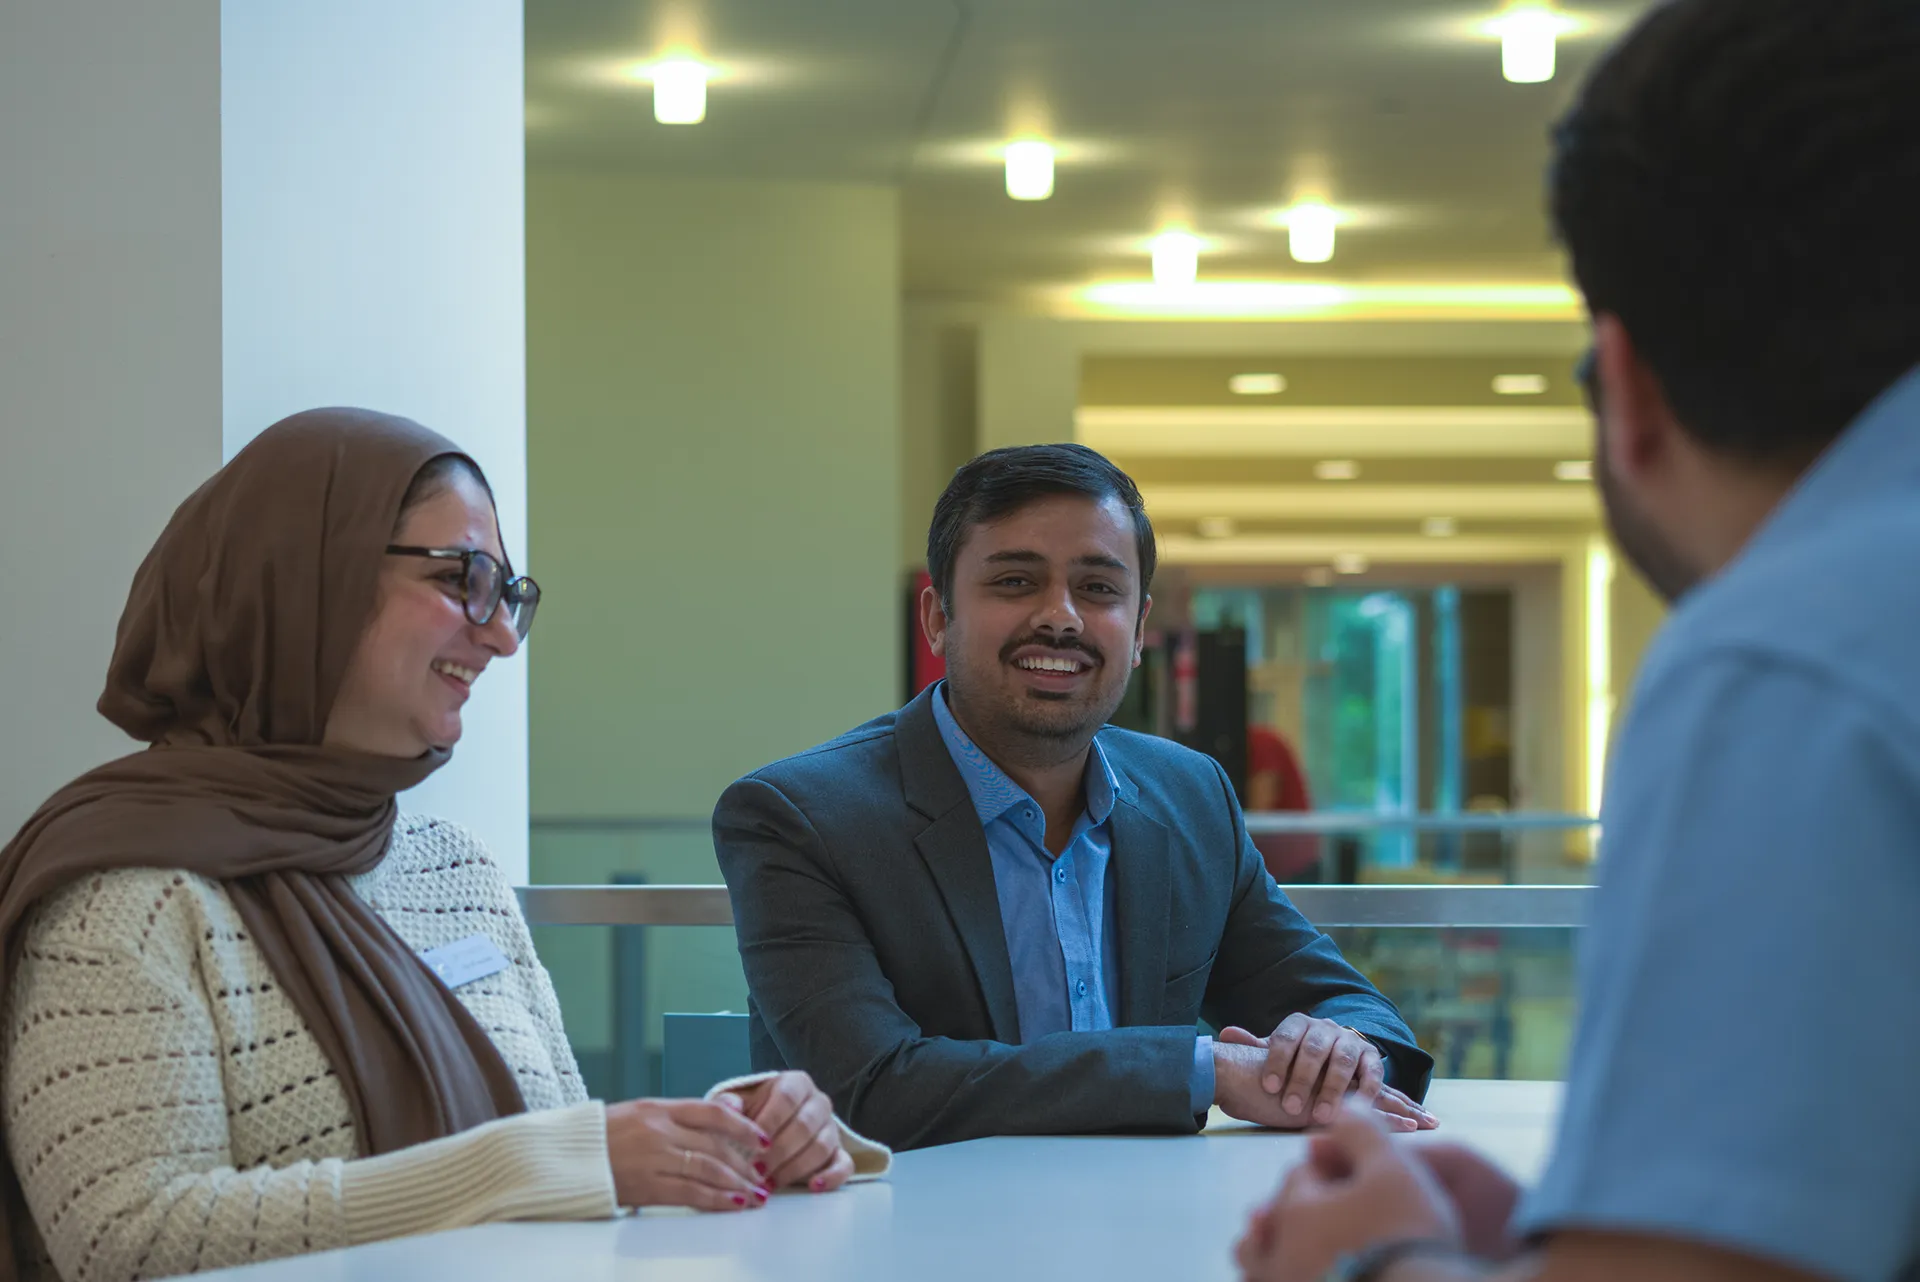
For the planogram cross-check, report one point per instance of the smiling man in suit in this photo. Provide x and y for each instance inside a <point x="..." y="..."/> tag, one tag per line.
<point x="992" y="913"/>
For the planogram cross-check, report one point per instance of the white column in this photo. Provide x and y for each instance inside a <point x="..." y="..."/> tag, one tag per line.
<point x="217" y="215"/>
<point x="373" y="196"/>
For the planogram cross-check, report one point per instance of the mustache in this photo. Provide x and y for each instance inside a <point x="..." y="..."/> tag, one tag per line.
<point x="1059" y="645"/>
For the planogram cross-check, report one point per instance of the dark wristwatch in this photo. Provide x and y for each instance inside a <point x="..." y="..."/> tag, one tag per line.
<point x="1372" y="1263"/>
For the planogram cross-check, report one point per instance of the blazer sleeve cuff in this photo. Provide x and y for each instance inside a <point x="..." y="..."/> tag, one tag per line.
<point x="1200" y="1084"/>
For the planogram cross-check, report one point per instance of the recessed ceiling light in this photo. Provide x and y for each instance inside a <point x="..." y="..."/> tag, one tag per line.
<point x="680" y="91"/>
<point x="1318" y="577"/>
<point x="1257" y="384"/>
<point x="1527" y="34"/>
<point x="1519" y="384"/>
<point x="1336" y="469"/>
<point x="1350" y="563"/>
<point x="1217" y="527"/>
<point x="1574" y="470"/>
<point x="1439" y="527"/>
<point x="1310" y="231"/>
<point x="1029" y="170"/>
<point x="1176" y="258"/>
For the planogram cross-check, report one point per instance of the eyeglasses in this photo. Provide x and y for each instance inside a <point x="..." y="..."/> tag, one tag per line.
<point x="1584" y="374"/>
<point x="484" y="585"/>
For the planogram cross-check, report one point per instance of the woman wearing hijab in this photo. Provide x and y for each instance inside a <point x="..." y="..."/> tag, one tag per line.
<point x="222" y="1041"/>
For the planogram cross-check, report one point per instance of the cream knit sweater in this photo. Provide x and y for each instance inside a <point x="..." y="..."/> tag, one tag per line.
<point x="167" y="1111"/>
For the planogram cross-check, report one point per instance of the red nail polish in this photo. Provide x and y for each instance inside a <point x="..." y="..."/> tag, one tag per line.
<point x="766" y="1141"/>
<point x="761" y="1194"/>
<point x="819" y="1184"/>
<point x="738" y="1200"/>
<point x="760" y="1168"/>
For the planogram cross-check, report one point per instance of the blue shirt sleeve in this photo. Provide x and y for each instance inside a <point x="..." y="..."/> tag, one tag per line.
<point x="1748" y="978"/>
<point x="1200" y="1085"/>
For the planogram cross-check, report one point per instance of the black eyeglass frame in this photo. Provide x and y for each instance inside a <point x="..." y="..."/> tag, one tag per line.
<point x="1588" y="377"/>
<point x="515" y="590"/>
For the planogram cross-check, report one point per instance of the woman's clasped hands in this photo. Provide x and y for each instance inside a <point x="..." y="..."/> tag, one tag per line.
<point x="730" y="1152"/>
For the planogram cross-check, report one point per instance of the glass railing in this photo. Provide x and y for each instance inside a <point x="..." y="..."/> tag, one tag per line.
<point x="1519" y="848"/>
<point x="1465" y="921"/>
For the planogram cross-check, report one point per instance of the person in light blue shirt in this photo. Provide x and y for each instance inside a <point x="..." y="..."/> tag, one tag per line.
<point x="993" y="913"/>
<point x="1055" y="908"/>
<point x="1066" y="962"/>
<point x="1737" y="188"/>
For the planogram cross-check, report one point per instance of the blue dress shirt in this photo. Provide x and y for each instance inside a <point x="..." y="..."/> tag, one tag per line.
<point x="1055" y="911"/>
<point x="1747" y="981"/>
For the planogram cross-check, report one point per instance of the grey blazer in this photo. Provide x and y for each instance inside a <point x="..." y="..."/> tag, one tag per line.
<point x="870" y="930"/>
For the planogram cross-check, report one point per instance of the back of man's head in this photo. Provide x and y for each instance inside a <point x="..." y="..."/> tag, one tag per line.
<point x="1739" y="183"/>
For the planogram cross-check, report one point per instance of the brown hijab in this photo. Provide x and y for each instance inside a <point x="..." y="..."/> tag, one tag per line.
<point x="233" y="645"/>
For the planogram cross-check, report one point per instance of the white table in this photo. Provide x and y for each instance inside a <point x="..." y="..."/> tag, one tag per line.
<point x="1107" y="1207"/>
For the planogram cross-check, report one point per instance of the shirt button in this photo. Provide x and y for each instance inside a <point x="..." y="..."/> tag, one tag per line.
<point x="1027" y="813"/>
<point x="1083" y="988"/>
<point x="1060" y="875"/>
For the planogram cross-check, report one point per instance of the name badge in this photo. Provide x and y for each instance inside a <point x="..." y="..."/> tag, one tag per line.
<point x="465" y="960"/>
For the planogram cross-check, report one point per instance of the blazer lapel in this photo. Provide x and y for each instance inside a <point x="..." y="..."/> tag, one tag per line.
<point x="954" y="847"/>
<point x="1142" y="884"/>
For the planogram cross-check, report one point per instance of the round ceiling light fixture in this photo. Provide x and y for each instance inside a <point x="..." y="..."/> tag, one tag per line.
<point x="1257" y="384"/>
<point x="680" y="91"/>
<point x="1519" y="384"/>
<point x="1310" y="231"/>
<point x="1176" y="258"/>
<point x="1528" y="35"/>
<point x="1029" y="169"/>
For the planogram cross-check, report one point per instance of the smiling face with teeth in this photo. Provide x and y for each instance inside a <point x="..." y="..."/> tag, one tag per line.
<point x="419" y="656"/>
<point x="1046" y="627"/>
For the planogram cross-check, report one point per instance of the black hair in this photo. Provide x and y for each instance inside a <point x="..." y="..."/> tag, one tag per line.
<point x="1737" y="184"/>
<point x="436" y="477"/>
<point x="1001" y="482"/>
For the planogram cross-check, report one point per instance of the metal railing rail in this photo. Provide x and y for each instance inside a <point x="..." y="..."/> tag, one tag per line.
<point x="1480" y="907"/>
<point x="1257" y="821"/>
<point x="1337" y="821"/>
<point x="621" y="823"/>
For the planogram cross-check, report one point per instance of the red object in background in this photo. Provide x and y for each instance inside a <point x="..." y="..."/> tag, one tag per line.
<point x="1276" y="782"/>
<point x="924" y="667"/>
<point x="1186" y="685"/>
<point x="1268" y="754"/>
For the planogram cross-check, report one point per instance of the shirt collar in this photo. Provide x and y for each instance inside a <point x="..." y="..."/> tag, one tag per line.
<point x="994" y="792"/>
<point x="1878" y="453"/>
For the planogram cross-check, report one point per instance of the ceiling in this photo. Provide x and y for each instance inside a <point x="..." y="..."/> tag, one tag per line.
<point x="1325" y="380"/>
<point x="1213" y="113"/>
<point x="1236" y="477"/>
<point x="1208" y="113"/>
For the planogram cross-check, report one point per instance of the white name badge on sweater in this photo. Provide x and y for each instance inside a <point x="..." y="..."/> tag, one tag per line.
<point x="465" y="960"/>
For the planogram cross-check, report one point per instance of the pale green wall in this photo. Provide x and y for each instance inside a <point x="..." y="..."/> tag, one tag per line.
<point x="939" y="377"/>
<point x="713" y="473"/>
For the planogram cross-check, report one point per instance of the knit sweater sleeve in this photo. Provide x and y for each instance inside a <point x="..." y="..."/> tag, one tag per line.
<point x="117" y="1122"/>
